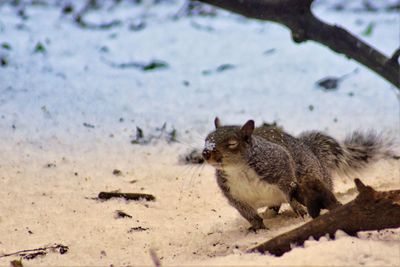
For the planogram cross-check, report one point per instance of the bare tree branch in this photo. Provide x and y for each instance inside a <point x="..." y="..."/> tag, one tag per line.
<point x="395" y="57"/>
<point x="371" y="210"/>
<point x="298" y="17"/>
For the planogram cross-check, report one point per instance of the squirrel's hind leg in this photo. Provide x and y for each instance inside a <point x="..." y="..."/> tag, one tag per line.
<point x="317" y="196"/>
<point x="291" y="188"/>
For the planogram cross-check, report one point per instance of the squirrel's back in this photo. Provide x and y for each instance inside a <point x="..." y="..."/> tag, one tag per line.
<point x="357" y="150"/>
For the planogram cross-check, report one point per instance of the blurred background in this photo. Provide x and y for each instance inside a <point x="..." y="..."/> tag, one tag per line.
<point x="83" y="70"/>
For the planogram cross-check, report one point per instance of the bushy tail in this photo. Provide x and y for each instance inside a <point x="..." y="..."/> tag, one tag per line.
<point x="356" y="152"/>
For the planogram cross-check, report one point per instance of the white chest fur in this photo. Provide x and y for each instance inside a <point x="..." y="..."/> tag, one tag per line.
<point x="244" y="184"/>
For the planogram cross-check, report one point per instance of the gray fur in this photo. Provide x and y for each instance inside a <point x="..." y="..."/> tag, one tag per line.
<point x="356" y="152"/>
<point x="300" y="167"/>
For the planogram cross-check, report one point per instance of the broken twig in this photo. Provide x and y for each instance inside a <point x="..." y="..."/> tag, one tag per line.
<point x="371" y="210"/>
<point x="29" y="254"/>
<point x="121" y="214"/>
<point x="127" y="196"/>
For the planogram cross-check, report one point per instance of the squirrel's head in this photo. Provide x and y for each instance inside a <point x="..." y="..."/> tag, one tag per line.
<point x="227" y="144"/>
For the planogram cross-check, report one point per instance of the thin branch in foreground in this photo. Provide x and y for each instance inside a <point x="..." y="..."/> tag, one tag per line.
<point x="29" y="254"/>
<point x="371" y="210"/>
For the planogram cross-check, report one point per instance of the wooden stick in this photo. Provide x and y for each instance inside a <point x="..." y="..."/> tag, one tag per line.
<point x="32" y="253"/>
<point x="371" y="210"/>
<point x="127" y="196"/>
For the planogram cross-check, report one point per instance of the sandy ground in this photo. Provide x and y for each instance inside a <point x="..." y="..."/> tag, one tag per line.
<point x="52" y="166"/>
<point x="190" y="223"/>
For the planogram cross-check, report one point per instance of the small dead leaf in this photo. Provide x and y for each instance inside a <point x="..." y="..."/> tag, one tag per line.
<point x="121" y="214"/>
<point x="329" y="83"/>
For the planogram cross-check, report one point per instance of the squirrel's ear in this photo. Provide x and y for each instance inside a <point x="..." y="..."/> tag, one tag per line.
<point x="217" y="122"/>
<point x="247" y="129"/>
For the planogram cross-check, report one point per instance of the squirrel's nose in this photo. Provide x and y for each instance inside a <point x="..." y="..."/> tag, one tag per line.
<point x="206" y="154"/>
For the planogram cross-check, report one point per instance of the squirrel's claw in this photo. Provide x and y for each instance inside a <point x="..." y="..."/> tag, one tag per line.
<point x="301" y="212"/>
<point x="298" y="208"/>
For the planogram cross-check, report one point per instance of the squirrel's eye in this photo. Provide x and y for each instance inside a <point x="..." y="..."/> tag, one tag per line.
<point x="232" y="144"/>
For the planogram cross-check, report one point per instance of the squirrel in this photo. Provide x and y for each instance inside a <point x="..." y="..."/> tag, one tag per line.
<point x="265" y="166"/>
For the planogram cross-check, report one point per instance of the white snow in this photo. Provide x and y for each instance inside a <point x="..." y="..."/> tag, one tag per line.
<point x="45" y="99"/>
